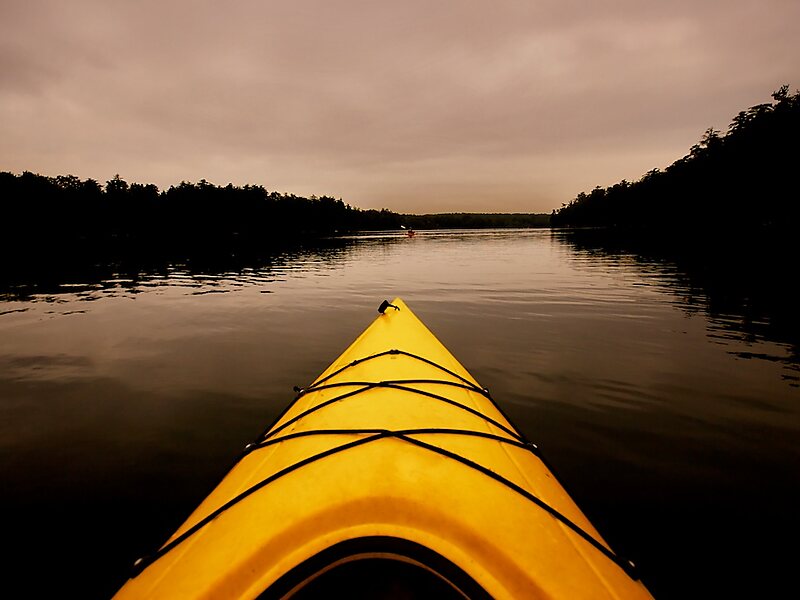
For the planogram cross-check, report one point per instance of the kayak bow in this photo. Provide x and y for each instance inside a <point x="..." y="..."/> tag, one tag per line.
<point x="394" y="466"/>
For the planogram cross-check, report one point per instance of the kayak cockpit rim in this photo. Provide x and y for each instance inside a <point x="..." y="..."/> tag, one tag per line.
<point x="434" y="572"/>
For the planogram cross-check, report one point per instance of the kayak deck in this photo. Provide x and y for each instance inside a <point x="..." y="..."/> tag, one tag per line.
<point x="394" y="452"/>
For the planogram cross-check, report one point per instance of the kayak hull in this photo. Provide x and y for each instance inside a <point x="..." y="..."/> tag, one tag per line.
<point x="394" y="452"/>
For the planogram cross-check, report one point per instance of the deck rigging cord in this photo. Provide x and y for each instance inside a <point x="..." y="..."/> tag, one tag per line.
<point x="270" y="437"/>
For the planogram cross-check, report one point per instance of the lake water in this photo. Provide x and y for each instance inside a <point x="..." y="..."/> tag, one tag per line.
<point x="666" y="399"/>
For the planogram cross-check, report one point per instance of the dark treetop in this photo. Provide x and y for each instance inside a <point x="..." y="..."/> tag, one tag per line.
<point x="747" y="177"/>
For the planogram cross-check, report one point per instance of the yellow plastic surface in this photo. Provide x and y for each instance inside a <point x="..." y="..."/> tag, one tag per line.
<point x="389" y="487"/>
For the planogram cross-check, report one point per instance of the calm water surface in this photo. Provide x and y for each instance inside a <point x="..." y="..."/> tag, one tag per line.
<point x="674" y="423"/>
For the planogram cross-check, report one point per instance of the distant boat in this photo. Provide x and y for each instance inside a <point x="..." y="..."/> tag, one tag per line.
<point x="411" y="233"/>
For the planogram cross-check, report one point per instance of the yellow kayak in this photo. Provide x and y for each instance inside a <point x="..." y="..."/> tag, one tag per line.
<point x="394" y="474"/>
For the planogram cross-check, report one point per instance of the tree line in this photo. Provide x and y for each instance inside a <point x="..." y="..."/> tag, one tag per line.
<point x="53" y="211"/>
<point x="746" y="177"/>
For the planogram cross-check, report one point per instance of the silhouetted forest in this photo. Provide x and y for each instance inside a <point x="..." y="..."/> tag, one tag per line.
<point x="54" y="226"/>
<point x="52" y="211"/>
<point x="746" y="177"/>
<point x="40" y="211"/>
<point x="66" y="208"/>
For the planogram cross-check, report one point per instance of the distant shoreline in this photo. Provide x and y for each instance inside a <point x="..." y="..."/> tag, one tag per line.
<point x="464" y="220"/>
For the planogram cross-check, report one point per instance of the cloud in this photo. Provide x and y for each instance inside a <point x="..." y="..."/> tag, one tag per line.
<point x="496" y="106"/>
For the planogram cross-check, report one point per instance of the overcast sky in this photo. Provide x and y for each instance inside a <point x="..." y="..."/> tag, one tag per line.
<point x="416" y="106"/>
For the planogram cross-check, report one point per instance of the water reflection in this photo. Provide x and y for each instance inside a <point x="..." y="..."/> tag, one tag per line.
<point x="85" y="278"/>
<point x="663" y="388"/>
<point x="743" y="295"/>
<point x="744" y="292"/>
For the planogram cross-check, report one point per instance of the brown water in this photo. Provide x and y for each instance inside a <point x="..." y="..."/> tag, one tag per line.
<point x="667" y="402"/>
